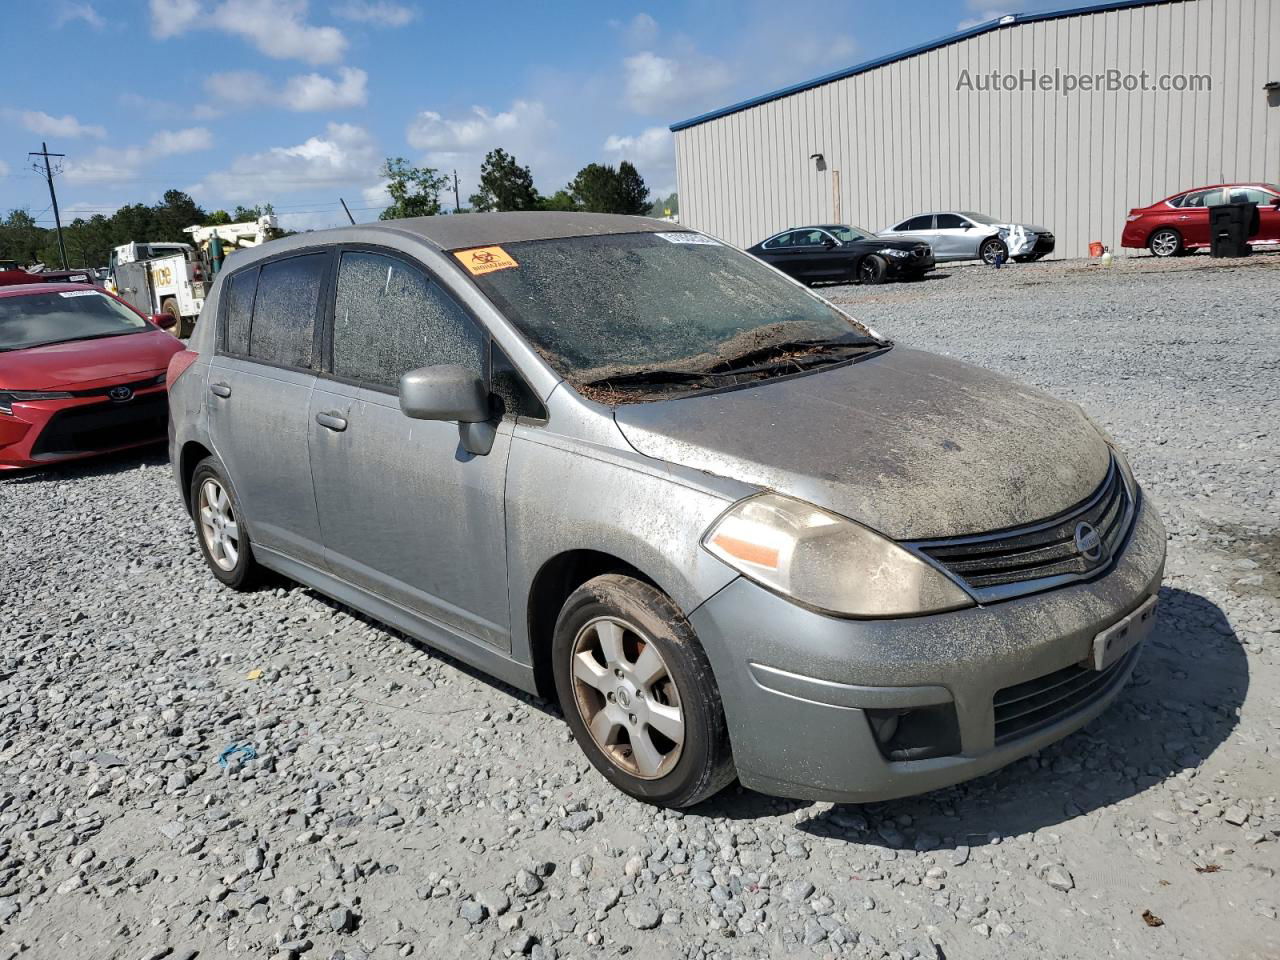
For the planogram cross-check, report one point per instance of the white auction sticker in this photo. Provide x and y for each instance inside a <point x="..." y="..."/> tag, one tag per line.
<point x="685" y="236"/>
<point x="79" y="293"/>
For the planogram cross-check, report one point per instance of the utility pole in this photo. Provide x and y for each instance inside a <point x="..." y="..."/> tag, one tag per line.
<point x="457" y="205"/>
<point x="53" y="196"/>
<point x="344" y="207"/>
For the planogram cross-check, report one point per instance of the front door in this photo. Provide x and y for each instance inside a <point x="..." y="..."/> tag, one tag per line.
<point x="954" y="238"/>
<point x="406" y="512"/>
<point x="260" y="383"/>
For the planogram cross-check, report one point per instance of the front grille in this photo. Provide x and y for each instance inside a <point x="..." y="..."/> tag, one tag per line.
<point x="999" y="565"/>
<point x="134" y="387"/>
<point x="102" y="426"/>
<point x="1027" y="707"/>
<point x="922" y="251"/>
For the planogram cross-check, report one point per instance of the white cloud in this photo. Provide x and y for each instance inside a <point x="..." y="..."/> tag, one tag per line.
<point x="381" y="13"/>
<point x="344" y="156"/>
<point x="49" y="126"/>
<point x="430" y="131"/>
<point x="650" y="147"/>
<point x="116" y="164"/>
<point x="655" y="83"/>
<point x="277" y="28"/>
<point x="4" y="169"/>
<point x="308" y="91"/>
<point x="641" y="30"/>
<point x="172" y="17"/>
<point x="983" y="11"/>
<point x="68" y="12"/>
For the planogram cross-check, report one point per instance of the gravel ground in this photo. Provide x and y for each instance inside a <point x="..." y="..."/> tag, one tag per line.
<point x="401" y="805"/>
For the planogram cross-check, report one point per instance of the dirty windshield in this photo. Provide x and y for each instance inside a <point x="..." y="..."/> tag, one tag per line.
<point x="620" y="307"/>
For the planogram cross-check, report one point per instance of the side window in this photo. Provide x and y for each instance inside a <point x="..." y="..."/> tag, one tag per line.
<point x="390" y="319"/>
<point x="949" y="221"/>
<point x="782" y="240"/>
<point x="1252" y="195"/>
<point x="284" y="310"/>
<point x="518" y="399"/>
<point x="918" y="223"/>
<point x="239" y="292"/>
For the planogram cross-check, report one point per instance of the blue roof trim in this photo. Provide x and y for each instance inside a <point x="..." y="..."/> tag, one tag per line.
<point x="996" y="24"/>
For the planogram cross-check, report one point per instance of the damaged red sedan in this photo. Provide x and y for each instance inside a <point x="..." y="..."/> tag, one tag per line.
<point x="81" y="373"/>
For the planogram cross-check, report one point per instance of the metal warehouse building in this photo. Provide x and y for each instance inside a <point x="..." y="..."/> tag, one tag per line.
<point x="931" y="128"/>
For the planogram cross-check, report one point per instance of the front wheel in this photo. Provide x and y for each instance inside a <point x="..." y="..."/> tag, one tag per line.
<point x="637" y="691"/>
<point x="1166" y="242"/>
<point x="872" y="269"/>
<point x="993" y="251"/>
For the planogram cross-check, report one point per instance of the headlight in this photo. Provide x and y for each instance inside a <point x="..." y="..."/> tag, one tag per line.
<point x="9" y="397"/>
<point x="824" y="561"/>
<point x="891" y="252"/>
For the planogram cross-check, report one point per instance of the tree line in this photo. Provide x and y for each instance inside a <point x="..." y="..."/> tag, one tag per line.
<point x="89" y="242"/>
<point x="415" y="192"/>
<point x="505" y="185"/>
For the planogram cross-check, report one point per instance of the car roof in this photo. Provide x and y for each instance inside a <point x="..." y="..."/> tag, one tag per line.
<point x="25" y="289"/>
<point x="1219" y="186"/>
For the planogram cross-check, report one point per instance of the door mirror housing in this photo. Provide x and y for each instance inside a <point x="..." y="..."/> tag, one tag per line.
<point x="967" y="225"/>
<point x="445" y="392"/>
<point x="828" y="243"/>
<point x="164" y="321"/>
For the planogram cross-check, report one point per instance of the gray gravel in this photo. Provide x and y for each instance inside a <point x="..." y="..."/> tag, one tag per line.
<point x="395" y="804"/>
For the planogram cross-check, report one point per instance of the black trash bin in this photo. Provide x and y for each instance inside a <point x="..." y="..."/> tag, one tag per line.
<point x="1230" y="227"/>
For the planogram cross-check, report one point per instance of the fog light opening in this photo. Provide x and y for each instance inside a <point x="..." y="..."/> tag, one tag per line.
<point x="918" y="733"/>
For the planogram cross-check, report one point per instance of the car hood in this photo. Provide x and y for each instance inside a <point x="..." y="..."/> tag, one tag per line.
<point x="911" y="444"/>
<point x="86" y="361"/>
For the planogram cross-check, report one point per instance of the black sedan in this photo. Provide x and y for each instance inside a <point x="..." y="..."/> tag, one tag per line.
<point x="843" y="254"/>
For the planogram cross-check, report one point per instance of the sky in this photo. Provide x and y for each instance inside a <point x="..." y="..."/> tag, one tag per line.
<point x="298" y="102"/>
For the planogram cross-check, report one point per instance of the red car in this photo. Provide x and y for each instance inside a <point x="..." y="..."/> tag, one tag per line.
<point x="1180" y="223"/>
<point x="81" y="372"/>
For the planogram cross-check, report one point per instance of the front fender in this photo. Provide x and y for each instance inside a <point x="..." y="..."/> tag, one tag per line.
<point x="567" y="494"/>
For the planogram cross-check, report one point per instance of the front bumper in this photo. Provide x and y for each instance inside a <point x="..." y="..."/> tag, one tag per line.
<point x="42" y="432"/>
<point x="910" y="266"/>
<point x="797" y="685"/>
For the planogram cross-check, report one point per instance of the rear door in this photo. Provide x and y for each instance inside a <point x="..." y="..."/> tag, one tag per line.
<point x="1192" y="217"/>
<point x="260" y="383"/>
<point x="406" y="512"/>
<point x="954" y="237"/>
<point x="919" y="229"/>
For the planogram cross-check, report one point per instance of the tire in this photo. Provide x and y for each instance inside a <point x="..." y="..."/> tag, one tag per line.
<point x="237" y="570"/>
<point x="872" y="269"/>
<point x="992" y="250"/>
<point x="181" y="326"/>
<point x="621" y="621"/>
<point x="1165" y="242"/>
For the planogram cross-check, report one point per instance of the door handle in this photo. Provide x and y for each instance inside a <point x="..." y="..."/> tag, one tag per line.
<point x="220" y="390"/>
<point x="332" y="421"/>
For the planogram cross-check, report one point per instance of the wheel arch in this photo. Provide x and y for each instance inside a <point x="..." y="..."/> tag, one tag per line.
<point x="193" y="451"/>
<point x="552" y="585"/>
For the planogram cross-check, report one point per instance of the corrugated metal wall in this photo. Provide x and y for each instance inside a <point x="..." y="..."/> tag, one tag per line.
<point x="905" y="140"/>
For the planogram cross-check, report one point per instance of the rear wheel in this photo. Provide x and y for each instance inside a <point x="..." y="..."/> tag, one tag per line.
<point x="1165" y="242"/>
<point x="224" y="541"/>
<point x="872" y="269"/>
<point x="993" y="251"/>
<point x="181" y="326"/>
<point x="637" y="691"/>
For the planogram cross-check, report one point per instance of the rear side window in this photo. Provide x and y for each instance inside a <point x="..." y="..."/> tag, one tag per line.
<point x="240" y="292"/>
<point x="284" y="311"/>
<point x="783" y="240"/>
<point x="916" y="223"/>
<point x="391" y="318"/>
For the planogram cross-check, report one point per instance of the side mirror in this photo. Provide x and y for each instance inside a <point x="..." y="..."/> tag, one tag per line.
<point x="828" y="243"/>
<point x="968" y="226"/>
<point x="444" y="392"/>
<point x="164" y="321"/>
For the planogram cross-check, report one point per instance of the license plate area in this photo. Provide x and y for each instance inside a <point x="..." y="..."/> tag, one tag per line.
<point x="1121" y="637"/>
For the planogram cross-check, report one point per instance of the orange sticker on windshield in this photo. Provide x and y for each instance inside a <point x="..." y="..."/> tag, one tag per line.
<point x="484" y="260"/>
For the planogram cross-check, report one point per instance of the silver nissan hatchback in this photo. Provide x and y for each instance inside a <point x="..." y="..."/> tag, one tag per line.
<point x="625" y="466"/>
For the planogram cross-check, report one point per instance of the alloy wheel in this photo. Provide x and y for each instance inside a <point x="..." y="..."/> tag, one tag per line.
<point x="627" y="698"/>
<point x="991" y="252"/>
<point x="1164" y="244"/>
<point x="218" y="526"/>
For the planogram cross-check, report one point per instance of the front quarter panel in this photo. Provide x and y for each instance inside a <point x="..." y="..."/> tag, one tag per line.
<point x="567" y="493"/>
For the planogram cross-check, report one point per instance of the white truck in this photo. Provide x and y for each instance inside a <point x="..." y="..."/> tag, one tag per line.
<point x="174" y="278"/>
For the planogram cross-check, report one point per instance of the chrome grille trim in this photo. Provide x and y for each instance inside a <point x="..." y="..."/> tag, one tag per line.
<point x="1041" y="556"/>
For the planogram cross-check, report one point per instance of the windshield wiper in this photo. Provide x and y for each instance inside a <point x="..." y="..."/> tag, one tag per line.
<point x="799" y="351"/>
<point x="87" y="336"/>
<point x="656" y="375"/>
